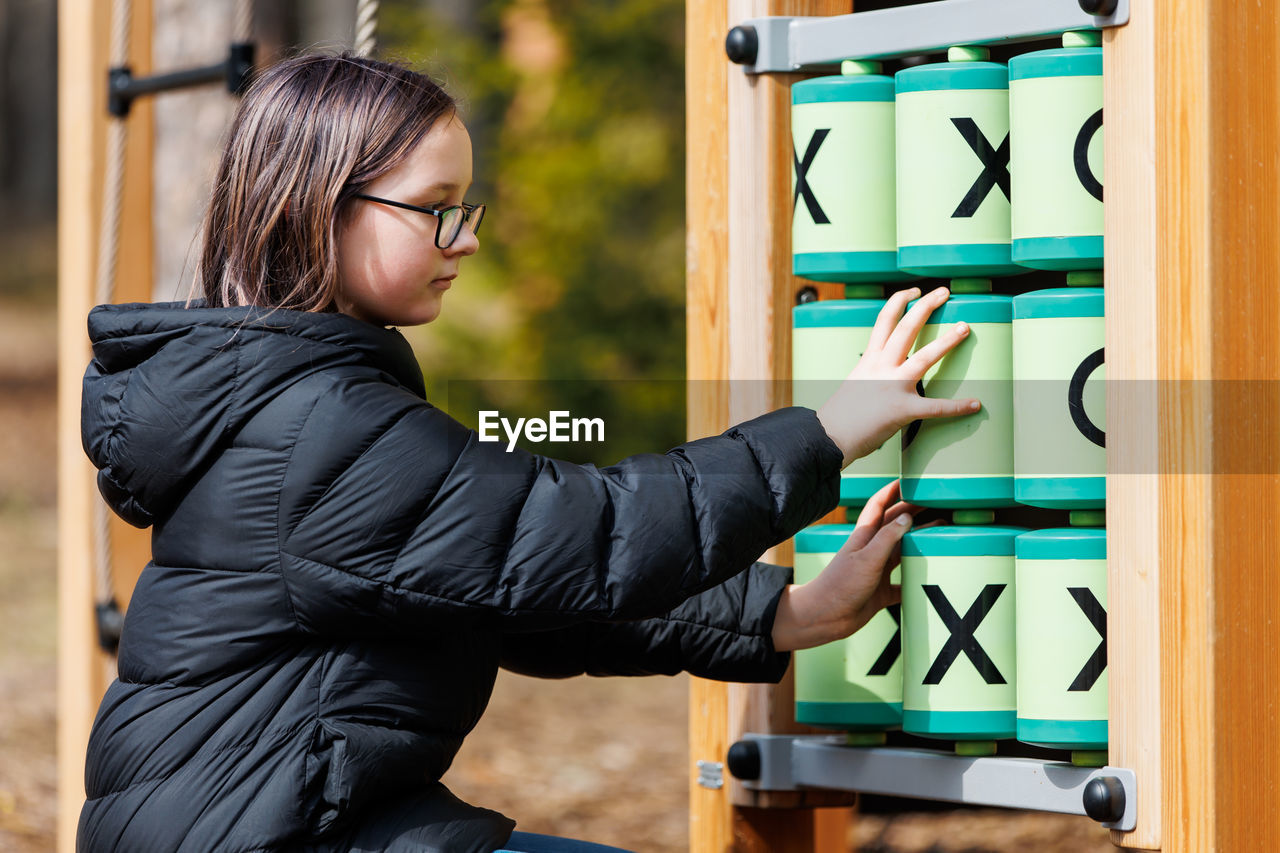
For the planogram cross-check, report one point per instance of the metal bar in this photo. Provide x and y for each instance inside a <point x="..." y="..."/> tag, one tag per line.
<point x="235" y="71"/>
<point x="1018" y="783"/>
<point x="787" y="44"/>
<point x="138" y="86"/>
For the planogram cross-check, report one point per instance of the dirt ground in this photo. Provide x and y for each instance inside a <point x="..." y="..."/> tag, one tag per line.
<point x="598" y="759"/>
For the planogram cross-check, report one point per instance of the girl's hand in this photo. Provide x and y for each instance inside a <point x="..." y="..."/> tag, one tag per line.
<point x="855" y="584"/>
<point x="879" y="396"/>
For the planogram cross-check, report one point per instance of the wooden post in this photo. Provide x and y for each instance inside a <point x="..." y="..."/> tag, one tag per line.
<point x="84" y="670"/>
<point x="740" y="294"/>
<point x="1193" y="135"/>
<point x="1133" y="484"/>
<point x="1242" y="207"/>
<point x="1193" y="165"/>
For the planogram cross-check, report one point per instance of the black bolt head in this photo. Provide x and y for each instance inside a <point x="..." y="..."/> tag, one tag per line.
<point x="1104" y="799"/>
<point x="741" y="45"/>
<point x="1099" y="7"/>
<point x="744" y="760"/>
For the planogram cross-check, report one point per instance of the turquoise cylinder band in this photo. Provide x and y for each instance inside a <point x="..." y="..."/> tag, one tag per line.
<point x="854" y="684"/>
<point x="828" y="337"/>
<point x="1061" y="594"/>
<point x="1056" y="158"/>
<point x="958" y="632"/>
<point x="953" y="171"/>
<point x="842" y="178"/>
<point x="1059" y="398"/>
<point x="966" y="461"/>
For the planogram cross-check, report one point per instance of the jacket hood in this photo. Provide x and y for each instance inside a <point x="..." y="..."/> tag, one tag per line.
<point x="169" y="386"/>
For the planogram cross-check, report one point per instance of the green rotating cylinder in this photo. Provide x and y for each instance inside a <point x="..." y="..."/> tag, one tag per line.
<point x="958" y="633"/>
<point x="1059" y="396"/>
<point x="842" y="177"/>
<point x="828" y="338"/>
<point x="1055" y="115"/>
<point x="1062" y="637"/>
<point x="953" y="167"/>
<point x="854" y="684"/>
<point x="966" y="462"/>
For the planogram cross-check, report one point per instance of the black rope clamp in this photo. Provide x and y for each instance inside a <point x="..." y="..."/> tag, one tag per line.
<point x="110" y="624"/>
<point x="236" y="71"/>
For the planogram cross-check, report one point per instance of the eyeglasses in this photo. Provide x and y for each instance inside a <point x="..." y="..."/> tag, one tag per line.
<point x="449" y="220"/>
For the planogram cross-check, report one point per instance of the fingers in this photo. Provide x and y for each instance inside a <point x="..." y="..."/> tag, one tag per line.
<point x="878" y="504"/>
<point x="906" y="332"/>
<point x="899" y="508"/>
<point x="887" y="537"/>
<point x="932" y="407"/>
<point x="888" y="317"/>
<point x="931" y="353"/>
<point x="879" y="509"/>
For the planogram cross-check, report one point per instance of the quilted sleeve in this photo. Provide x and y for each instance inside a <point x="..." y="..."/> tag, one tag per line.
<point x="724" y="633"/>
<point x="393" y="513"/>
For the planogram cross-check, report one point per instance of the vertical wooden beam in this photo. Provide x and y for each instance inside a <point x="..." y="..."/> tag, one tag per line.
<point x="761" y="294"/>
<point x="1133" y="485"/>
<point x="1187" y="521"/>
<point x="707" y="345"/>
<point x="1193" y="171"/>
<point x="740" y="292"/>
<point x="83" y="670"/>
<point x="1242" y="242"/>
<point x="81" y="53"/>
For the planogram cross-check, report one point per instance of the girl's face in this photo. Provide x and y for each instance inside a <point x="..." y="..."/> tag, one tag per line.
<point x="390" y="271"/>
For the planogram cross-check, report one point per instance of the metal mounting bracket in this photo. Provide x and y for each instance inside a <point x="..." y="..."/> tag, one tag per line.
<point x="788" y="762"/>
<point x="789" y="44"/>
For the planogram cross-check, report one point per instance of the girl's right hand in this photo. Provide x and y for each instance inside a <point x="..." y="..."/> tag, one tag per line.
<point x="879" y="396"/>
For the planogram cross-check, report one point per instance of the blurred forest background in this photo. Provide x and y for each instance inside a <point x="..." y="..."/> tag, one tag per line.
<point x="575" y="301"/>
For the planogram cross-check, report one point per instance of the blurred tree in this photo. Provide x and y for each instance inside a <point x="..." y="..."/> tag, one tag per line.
<point x="576" y="299"/>
<point x="28" y="148"/>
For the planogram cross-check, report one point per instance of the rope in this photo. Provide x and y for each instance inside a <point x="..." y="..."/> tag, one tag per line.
<point x="366" y="27"/>
<point x="108" y="250"/>
<point x="121" y="14"/>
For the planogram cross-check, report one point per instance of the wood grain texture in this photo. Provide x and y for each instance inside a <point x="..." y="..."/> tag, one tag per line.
<point x="707" y="347"/>
<point x="1134" y="561"/>
<point x="1243" y="216"/>
<point x="738" y="339"/>
<point x="1187" y="521"/>
<point x="83" y="670"/>
<point x="761" y="294"/>
<point x="1195" y="204"/>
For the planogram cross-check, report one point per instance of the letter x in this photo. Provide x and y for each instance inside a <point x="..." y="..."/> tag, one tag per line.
<point x="893" y="650"/>
<point x="1097" y="617"/>
<point x="962" y="639"/>
<point x="802" y="181"/>
<point x="995" y="167"/>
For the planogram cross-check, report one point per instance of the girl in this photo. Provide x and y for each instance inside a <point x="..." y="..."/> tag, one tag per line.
<point x="339" y="568"/>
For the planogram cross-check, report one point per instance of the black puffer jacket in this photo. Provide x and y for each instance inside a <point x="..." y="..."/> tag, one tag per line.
<point x="339" y="568"/>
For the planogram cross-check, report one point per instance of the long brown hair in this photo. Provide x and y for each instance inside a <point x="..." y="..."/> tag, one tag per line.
<point x="309" y="134"/>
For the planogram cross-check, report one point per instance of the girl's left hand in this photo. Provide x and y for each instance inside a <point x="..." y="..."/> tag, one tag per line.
<point x="855" y="584"/>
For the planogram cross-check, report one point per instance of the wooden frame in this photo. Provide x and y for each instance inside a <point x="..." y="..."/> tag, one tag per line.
<point x="740" y="294"/>
<point x="83" y="669"/>
<point x="1193" y="166"/>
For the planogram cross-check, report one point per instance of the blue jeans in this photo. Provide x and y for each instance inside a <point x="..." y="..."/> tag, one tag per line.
<point x="528" y="842"/>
